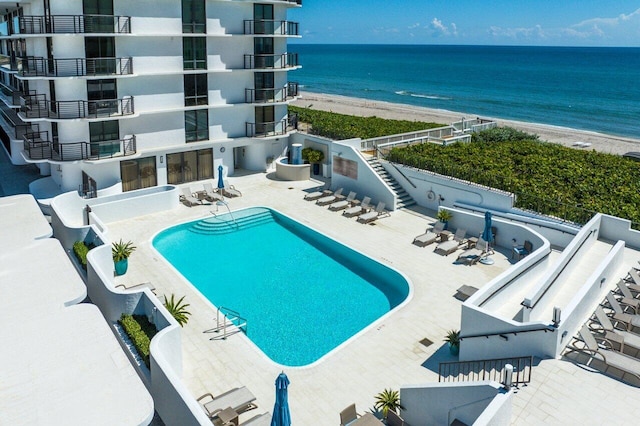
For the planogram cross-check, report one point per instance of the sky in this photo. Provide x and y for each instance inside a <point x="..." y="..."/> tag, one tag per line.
<point x="470" y="22"/>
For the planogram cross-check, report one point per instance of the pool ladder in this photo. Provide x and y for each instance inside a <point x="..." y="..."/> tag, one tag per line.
<point x="228" y="317"/>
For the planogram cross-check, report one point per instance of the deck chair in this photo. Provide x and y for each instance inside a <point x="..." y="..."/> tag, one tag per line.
<point x="343" y="204"/>
<point x="231" y="191"/>
<point x="445" y="248"/>
<point x="523" y="250"/>
<point x="188" y="198"/>
<point x="464" y="292"/>
<point x="240" y="399"/>
<point x="358" y="210"/>
<point x="348" y="415"/>
<point x="263" y="419"/>
<point x="394" y="419"/>
<point x="337" y="196"/>
<point x="430" y="236"/>
<point x="313" y="196"/>
<point x="138" y="286"/>
<point x="631" y="321"/>
<point x="473" y="255"/>
<point x="589" y="344"/>
<point x="633" y="281"/>
<point x="211" y="194"/>
<point x="373" y="215"/>
<point x="621" y="338"/>
<point x="627" y="296"/>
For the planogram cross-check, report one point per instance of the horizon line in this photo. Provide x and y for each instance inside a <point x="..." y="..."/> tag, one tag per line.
<point x="293" y="42"/>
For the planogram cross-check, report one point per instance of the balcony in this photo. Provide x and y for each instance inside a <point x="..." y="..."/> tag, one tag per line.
<point x="74" y="24"/>
<point x="37" y="106"/>
<point x="37" y="146"/>
<point x="75" y="67"/>
<point x="261" y="62"/>
<point x="266" y="96"/>
<point x="274" y="128"/>
<point x="270" y="27"/>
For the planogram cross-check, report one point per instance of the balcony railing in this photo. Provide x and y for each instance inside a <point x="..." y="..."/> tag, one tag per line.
<point x="74" y="67"/>
<point x="74" y="24"/>
<point x="37" y="146"/>
<point x="285" y="60"/>
<point x="37" y="106"/>
<point x="292" y="1"/>
<point x="274" y="128"/>
<point x="263" y="96"/>
<point x="270" y="27"/>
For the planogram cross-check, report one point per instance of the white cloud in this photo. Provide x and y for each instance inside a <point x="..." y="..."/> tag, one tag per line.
<point x="414" y="26"/>
<point x="439" y="29"/>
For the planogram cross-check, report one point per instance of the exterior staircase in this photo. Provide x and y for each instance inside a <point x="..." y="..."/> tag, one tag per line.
<point x="403" y="198"/>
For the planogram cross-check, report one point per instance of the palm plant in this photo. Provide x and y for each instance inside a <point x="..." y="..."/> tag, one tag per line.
<point x="122" y="250"/>
<point x="177" y="309"/>
<point x="388" y="400"/>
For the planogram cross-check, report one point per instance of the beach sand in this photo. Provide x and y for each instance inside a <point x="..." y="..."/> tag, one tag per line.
<point x="556" y="134"/>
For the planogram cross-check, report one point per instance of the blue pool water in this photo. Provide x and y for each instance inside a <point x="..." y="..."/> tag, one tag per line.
<point x="302" y="293"/>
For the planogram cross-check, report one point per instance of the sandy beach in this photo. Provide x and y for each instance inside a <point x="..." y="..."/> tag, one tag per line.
<point x="562" y="135"/>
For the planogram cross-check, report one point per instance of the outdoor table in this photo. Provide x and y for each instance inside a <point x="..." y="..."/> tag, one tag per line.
<point x="367" y="419"/>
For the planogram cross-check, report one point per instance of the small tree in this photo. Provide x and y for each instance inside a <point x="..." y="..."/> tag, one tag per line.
<point x="177" y="309"/>
<point x="388" y="400"/>
<point x="312" y="155"/>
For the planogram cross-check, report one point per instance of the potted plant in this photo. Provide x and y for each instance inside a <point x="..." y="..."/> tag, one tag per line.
<point x="121" y="252"/>
<point x="453" y="339"/>
<point x="444" y="216"/>
<point x="388" y="400"/>
<point x="313" y="156"/>
<point x="177" y="309"/>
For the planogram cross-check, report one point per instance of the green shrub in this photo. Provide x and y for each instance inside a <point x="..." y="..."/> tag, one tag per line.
<point x="339" y="126"/>
<point x="81" y="250"/>
<point x="140" y="331"/>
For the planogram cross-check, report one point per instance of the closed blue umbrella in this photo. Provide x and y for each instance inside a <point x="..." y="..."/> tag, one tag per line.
<point x="281" y="415"/>
<point x="220" y="181"/>
<point x="487" y="235"/>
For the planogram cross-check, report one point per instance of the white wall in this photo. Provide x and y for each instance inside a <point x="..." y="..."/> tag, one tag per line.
<point x="476" y="403"/>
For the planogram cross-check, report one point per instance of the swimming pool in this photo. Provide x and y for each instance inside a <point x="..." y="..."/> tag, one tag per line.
<point x="302" y="293"/>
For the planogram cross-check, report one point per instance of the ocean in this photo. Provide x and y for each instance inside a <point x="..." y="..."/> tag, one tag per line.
<point x="587" y="88"/>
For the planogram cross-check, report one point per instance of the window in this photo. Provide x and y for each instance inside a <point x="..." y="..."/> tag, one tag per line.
<point x="189" y="166"/>
<point x="194" y="53"/>
<point x="97" y="7"/>
<point x="195" y="89"/>
<point x="138" y="174"/>
<point x="263" y="49"/>
<point x="196" y="125"/>
<point x="263" y="82"/>
<point x="94" y="23"/>
<point x="194" y="17"/>
<point x="263" y="16"/>
<point x="102" y="96"/>
<point x="98" y="51"/>
<point x="265" y="120"/>
<point x="104" y="137"/>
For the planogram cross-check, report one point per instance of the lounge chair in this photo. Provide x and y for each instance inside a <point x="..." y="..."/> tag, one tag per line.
<point x="473" y="255"/>
<point x="373" y="215"/>
<point x="313" y="196"/>
<point x="394" y="419"/>
<point x="627" y="296"/>
<point x="523" y="250"/>
<point x="621" y="338"/>
<point x="343" y="204"/>
<point x="348" y="415"/>
<point x="590" y="344"/>
<point x="445" y="248"/>
<point x="337" y="196"/>
<point x="231" y="191"/>
<point x="211" y="194"/>
<point x="631" y="321"/>
<point x="240" y="399"/>
<point x="430" y="236"/>
<point x="263" y="419"/>
<point x="465" y="292"/>
<point x="136" y="286"/>
<point x="358" y="210"/>
<point x="633" y="281"/>
<point x="188" y="198"/>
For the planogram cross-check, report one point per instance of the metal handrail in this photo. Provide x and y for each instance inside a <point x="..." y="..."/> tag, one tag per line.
<point x="74" y="67"/>
<point x="73" y="24"/>
<point x="37" y="106"/>
<point x="38" y="147"/>
<point x="269" y="61"/>
<point x="486" y="369"/>
<point x="225" y="316"/>
<point x="272" y="128"/>
<point x="271" y="27"/>
<point x="272" y="95"/>
<point x="504" y="334"/>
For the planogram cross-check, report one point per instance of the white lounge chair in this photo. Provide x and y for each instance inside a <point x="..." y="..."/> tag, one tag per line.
<point x="631" y="321"/>
<point x="358" y="210"/>
<point x="627" y="296"/>
<point x="240" y="399"/>
<point x="313" y="196"/>
<point x="211" y="194"/>
<point x="633" y="281"/>
<point x="337" y="196"/>
<point x="621" y="338"/>
<point x="188" y="198"/>
<point x="263" y="419"/>
<point x="343" y="204"/>
<point x="445" y="248"/>
<point x="373" y="215"/>
<point x="430" y="236"/>
<point x="231" y="191"/>
<point x="473" y="255"/>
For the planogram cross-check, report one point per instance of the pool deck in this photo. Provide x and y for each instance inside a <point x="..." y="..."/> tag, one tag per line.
<point x="386" y="355"/>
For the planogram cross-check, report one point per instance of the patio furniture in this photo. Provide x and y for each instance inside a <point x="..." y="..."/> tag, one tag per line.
<point x="447" y="247"/>
<point x="312" y="196"/>
<point x="430" y="236"/>
<point x="239" y="399"/>
<point x="330" y="198"/>
<point x="471" y="256"/>
<point x="188" y="198"/>
<point x="343" y="204"/>
<point x="374" y="215"/>
<point x="630" y="320"/>
<point x="523" y="250"/>
<point x="210" y="194"/>
<point x="394" y="419"/>
<point x="465" y="292"/>
<point x="358" y="210"/>
<point x="348" y="415"/>
<point x="263" y="419"/>
<point x="231" y="191"/>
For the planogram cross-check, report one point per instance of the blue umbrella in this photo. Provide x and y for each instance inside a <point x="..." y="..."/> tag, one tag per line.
<point x="487" y="234"/>
<point x="281" y="415"/>
<point x="220" y="181"/>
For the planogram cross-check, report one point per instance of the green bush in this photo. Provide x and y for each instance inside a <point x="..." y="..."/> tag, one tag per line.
<point x="339" y="126"/>
<point x="81" y="250"/>
<point x="548" y="178"/>
<point x="140" y="331"/>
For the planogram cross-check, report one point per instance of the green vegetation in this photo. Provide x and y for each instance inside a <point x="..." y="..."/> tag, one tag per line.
<point x="178" y="309"/>
<point x="388" y="400"/>
<point x="312" y="155"/>
<point x="140" y="331"/>
<point x="547" y="178"/>
<point x="122" y="250"/>
<point x="81" y="249"/>
<point x="453" y="337"/>
<point x="339" y="126"/>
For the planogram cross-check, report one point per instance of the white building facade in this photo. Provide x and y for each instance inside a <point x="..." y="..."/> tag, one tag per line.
<point x="142" y="93"/>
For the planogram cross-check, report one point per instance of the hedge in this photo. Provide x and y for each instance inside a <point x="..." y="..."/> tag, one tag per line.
<point x="140" y="331"/>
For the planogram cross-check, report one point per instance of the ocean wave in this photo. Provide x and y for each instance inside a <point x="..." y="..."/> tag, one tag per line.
<point x="418" y="95"/>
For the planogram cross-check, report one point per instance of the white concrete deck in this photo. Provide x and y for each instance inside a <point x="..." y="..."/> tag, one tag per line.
<point x="388" y="354"/>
